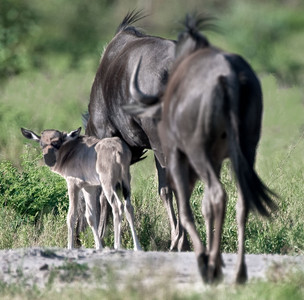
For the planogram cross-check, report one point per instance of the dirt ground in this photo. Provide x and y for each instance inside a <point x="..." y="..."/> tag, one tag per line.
<point x="43" y="266"/>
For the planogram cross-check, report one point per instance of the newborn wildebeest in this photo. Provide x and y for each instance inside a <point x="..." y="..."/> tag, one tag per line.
<point x="211" y="110"/>
<point x="86" y="163"/>
<point x="110" y="91"/>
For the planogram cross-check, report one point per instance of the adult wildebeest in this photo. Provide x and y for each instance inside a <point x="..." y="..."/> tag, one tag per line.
<point x="110" y="92"/>
<point x="86" y="163"/>
<point x="211" y="110"/>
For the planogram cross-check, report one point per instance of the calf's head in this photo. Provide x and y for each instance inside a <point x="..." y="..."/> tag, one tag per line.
<point x="51" y="142"/>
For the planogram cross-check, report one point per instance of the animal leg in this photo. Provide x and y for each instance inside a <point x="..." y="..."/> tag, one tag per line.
<point x="213" y="209"/>
<point x="178" y="238"/>
<point x="242" y="213"/>
<point x="117" y="209"/>
<point x="130" y="215"/>
<point x="90" y="194"/>
<point x="179" y="172"/>
<point x="73" y="192"/>
<point x="103" y="216"/>
<point x="208" y="216"/>
<point x="81" y="222"/>
<point x="218" y="201"/>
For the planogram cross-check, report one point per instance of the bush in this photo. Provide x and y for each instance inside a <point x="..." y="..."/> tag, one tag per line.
<point x="32" y="191"/>
<point x="271" y="38"/>
<point x="17" y="30"/>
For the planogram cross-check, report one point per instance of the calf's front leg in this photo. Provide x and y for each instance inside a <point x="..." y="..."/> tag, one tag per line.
<point x="73" y="192"/>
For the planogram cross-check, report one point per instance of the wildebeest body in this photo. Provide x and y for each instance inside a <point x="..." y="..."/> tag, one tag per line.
<point x="110" y="92"/>
<point x="88" y="163"/>
<point x="211" y="110"/>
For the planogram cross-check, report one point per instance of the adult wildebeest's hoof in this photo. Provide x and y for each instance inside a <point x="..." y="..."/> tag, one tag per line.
<point x="202" y="262"/>
<point x="241" y="275"/>
<point x="215" y="274"/>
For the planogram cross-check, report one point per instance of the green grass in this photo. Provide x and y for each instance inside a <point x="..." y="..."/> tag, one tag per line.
<point x="34" y="200"/>
<point x="53" y="98"/>
<point x="35" y="193"/>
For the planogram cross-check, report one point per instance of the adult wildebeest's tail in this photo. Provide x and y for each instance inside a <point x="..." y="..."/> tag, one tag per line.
<point x="256" y="195"/>
<point x="130" y="19"/>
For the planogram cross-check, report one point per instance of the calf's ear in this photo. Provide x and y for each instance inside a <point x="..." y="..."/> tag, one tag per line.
<point x="30" y="135"/>
<point x="74" y="134"/>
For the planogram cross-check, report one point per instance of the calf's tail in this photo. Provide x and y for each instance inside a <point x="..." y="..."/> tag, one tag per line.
<point x="256" y="195"/>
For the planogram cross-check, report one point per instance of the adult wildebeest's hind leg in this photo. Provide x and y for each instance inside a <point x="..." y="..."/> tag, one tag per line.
<point x="207" y="212"/>
<point x="241" y="215"/>
<point x="208" y="217"/>
<point x="178" y="236"/>
<point x="129" y="210"/>
<point x="216" y="199"/>
<point x="179" y="172"/>
<point x="213" y="209"/>
<point x="73" y="191"/>
<point x="90" y="195"/>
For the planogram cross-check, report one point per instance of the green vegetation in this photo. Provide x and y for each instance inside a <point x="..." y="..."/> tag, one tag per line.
<point x="33" y="198"/>
<point x="55" y="47"/>
<point x="35" y="195"/>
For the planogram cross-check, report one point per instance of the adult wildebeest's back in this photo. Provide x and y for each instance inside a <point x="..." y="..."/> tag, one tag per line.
<point x="110" y="92"/>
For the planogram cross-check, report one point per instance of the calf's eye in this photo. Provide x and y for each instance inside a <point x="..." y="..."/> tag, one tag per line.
<point x="55" y="145"/>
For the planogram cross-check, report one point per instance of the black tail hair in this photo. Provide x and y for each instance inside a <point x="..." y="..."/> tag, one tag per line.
<point x="190" y="38"/>
<point x="256" y="195"/>
<point x="194" y="23"/>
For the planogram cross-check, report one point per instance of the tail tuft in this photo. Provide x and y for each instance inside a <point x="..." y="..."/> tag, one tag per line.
<point x="130" y="19"/>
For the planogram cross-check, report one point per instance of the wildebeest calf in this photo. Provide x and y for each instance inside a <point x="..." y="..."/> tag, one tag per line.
<point x="86" y="163"/>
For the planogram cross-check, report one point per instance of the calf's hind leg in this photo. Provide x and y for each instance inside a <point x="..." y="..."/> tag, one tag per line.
<point x="90" y="194"/>
<point x="129" y="210"/>
<point x="117" y="209"/>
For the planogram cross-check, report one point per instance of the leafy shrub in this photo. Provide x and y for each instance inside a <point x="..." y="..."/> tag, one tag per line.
<point x="271" y="38"/>
<point x="17" y="31"/>
<point x="33" y="190"/>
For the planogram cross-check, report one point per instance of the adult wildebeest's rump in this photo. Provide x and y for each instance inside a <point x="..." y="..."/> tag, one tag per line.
<point x="110" y="91"/>
<point x="86" y="163"/>
<point x="211" y="110"/>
